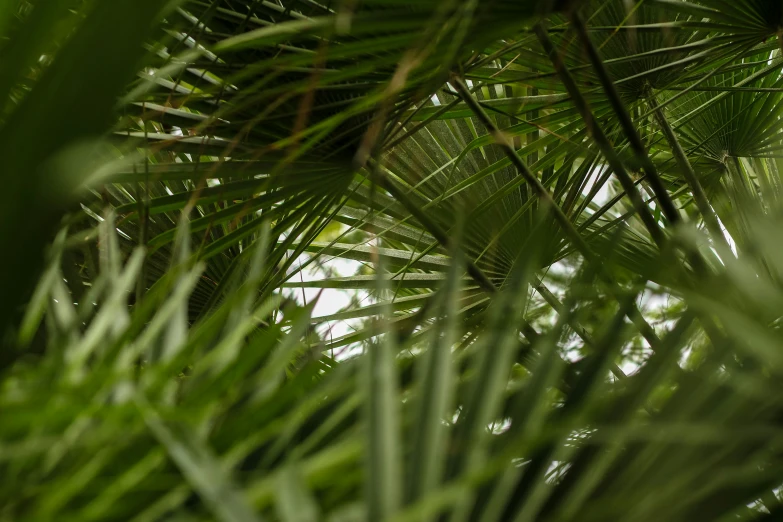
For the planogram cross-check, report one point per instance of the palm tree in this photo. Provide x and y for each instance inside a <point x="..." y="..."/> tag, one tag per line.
<point x="567" y="219"/>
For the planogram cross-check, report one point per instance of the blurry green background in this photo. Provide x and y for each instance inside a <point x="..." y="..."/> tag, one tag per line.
<point x="391" y="260"/>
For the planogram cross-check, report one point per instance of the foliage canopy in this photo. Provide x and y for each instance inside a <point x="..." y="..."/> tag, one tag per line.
<point x="566" y="216"/>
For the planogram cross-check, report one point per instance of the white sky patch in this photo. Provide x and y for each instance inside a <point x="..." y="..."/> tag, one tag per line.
<point x="502" y="426"/>
<point x="728" y="237"/>
<point x="630" y="367"/>
<point x="556" y="470"/>
<point x="331" y="300"/>
<point x="560" y="268"/>
<point x="603" y="195"/>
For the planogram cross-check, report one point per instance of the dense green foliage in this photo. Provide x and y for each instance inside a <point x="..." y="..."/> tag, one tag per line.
<point x="566" y="218"/>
